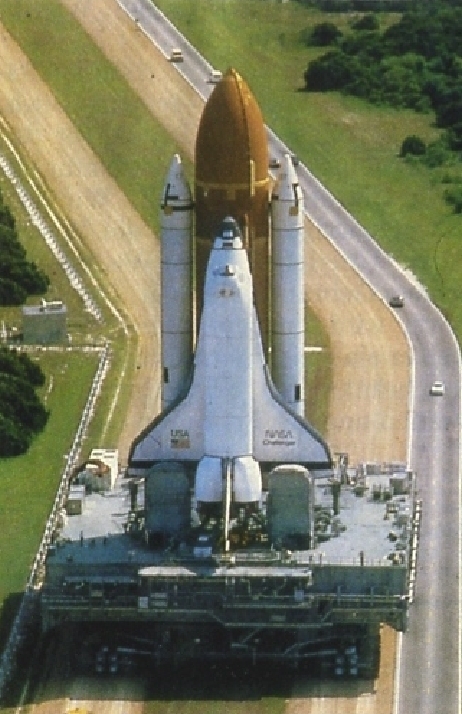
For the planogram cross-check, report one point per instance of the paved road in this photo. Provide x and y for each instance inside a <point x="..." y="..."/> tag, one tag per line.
<point x="195" y="68"/>
<point x="429" y="677"/>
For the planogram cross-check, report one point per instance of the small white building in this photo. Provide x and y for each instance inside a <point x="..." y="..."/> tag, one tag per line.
<point x="44" y="324"/>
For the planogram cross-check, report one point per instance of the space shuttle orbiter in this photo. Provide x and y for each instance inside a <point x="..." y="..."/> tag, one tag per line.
<point x="230" y="408"/>
<point x="222" y="409"/>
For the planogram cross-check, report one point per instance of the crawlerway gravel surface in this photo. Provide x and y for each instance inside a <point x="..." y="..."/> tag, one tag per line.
<point x="370" y="356"/>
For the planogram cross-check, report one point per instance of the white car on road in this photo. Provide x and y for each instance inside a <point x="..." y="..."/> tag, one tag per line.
<point x="437" y="389"/>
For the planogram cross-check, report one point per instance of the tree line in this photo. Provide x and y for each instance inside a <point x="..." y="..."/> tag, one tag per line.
<point x="415" y="63"/>
<point x="22" y="415"/>
<point x="19" y="277"/>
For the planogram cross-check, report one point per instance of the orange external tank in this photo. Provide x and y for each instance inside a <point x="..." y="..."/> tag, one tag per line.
<point x="231" y="179"/>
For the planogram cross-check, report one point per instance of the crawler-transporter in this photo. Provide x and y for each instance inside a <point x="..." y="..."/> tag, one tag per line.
<point x="305" y="576"/>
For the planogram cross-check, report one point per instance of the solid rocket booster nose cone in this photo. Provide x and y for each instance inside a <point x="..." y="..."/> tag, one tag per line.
<point x="176" y="187"/>
<point x="287" y="168"/>
<point x="175" y="170"/>
<point x="286" y="180"/>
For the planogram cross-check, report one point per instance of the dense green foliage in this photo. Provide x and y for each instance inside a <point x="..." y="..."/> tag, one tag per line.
<point x="18" y="276"/>
<point x="22" y="414"/>
<point x="19" y="365"/>
<point x="382" y="6"/>
<point x="415" y="63"/>
<point x="369" y="21"/>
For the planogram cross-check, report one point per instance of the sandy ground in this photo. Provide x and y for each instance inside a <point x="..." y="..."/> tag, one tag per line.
<point x="371" y="370"/>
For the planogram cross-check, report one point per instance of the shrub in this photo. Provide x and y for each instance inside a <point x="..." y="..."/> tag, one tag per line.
<point x="325" y="34"/>
<point x="437" y="154"/>
<point x="413" y="145"/>
<point x="366" y="22"/>
<point x="453" y="196"/>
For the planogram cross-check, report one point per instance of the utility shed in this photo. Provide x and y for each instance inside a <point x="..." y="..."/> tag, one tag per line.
<point x="44" y="324"/>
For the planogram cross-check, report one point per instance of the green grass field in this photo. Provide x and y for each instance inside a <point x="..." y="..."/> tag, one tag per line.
<point x="29" y="482"/>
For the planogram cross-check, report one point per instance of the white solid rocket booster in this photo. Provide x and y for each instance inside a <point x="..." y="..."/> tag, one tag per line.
<point x="176" y="252"/>
<point x="288" y="307"/>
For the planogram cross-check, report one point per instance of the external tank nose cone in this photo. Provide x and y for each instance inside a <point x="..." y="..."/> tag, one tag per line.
<point x="231" y="133"/>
